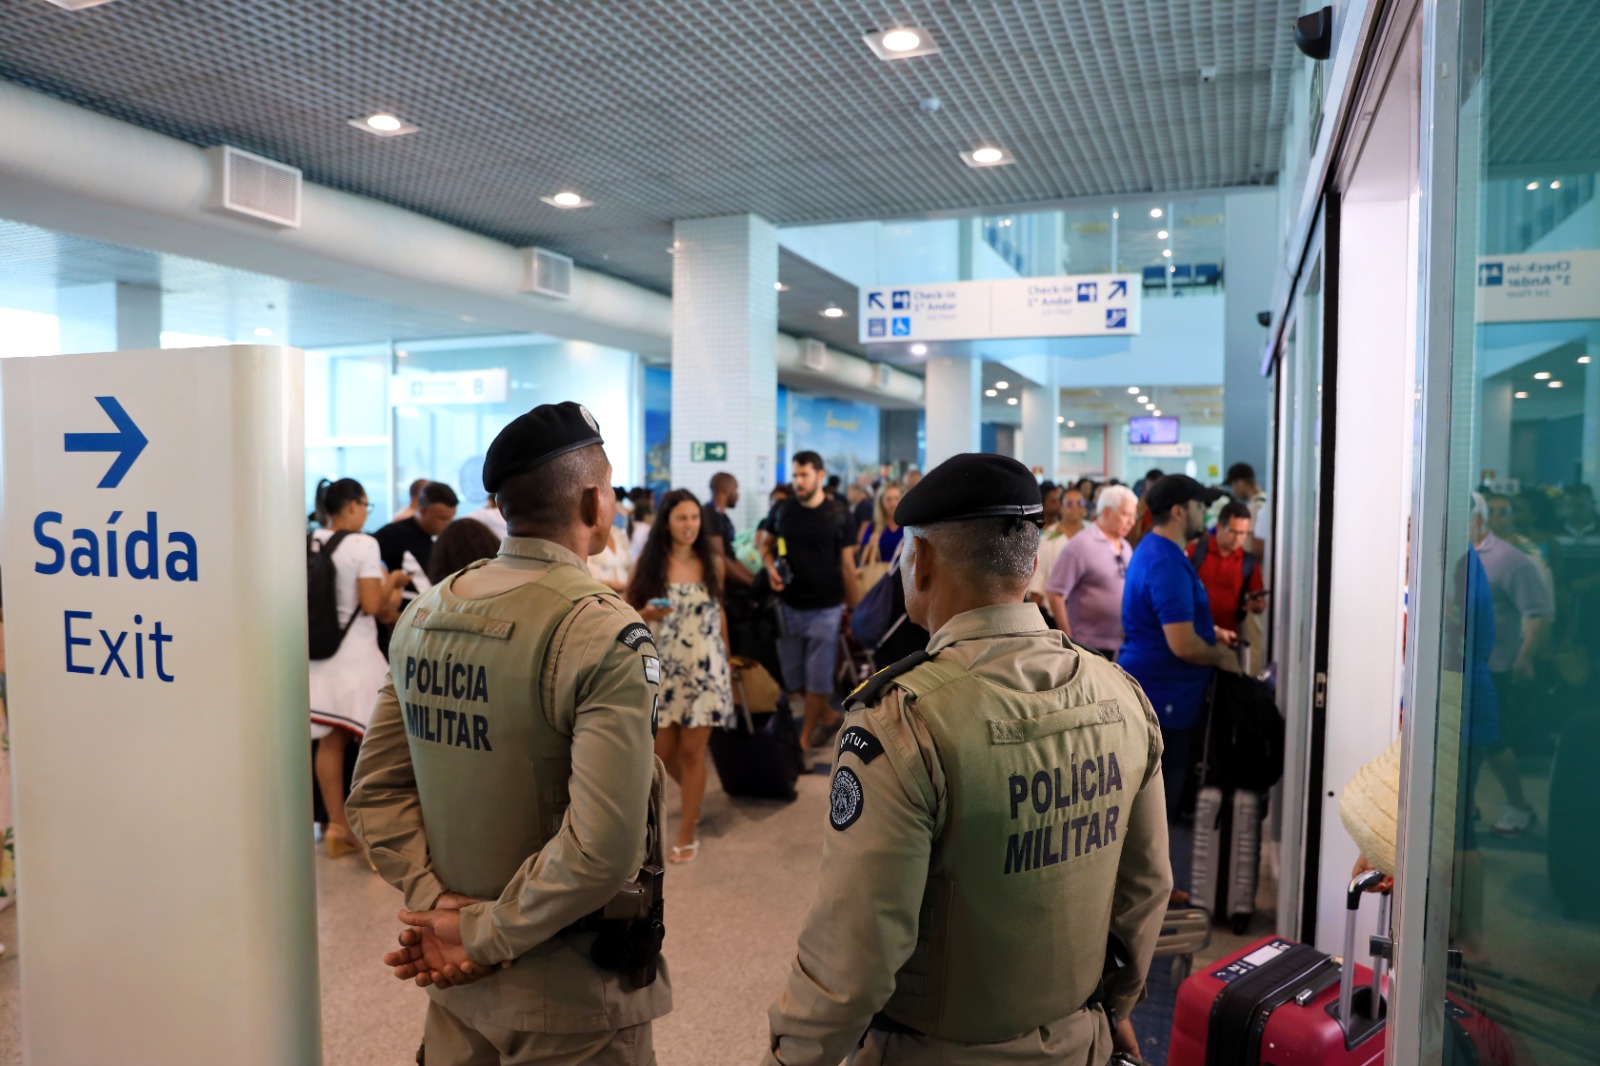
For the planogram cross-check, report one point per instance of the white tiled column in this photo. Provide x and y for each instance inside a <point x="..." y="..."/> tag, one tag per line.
<point x="954" y="402"/>
<point x="724" y="355"/>
<point x="1041" y="404"/>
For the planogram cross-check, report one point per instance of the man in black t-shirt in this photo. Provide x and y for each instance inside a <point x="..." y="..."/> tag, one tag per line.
<point x="407" y="544"/>
<point x="810" y="558"/>
<point x="719" y="527"/>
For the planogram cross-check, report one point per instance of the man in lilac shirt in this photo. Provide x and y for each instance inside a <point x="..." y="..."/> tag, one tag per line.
<point x="1085" y="587"/>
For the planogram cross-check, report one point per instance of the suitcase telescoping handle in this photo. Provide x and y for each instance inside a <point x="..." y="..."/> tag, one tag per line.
<point x="1347" y="973"/>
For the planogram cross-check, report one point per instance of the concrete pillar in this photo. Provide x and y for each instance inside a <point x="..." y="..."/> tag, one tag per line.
<point x="954" y="402"/>
<point x="1041" y="435"/>
<point x="1250" y="259"/>
<point x="1591" y="412"/>
<point x="109" y="317"/>
<point x="724" y="356"/>
<point x="1494" y="436"/>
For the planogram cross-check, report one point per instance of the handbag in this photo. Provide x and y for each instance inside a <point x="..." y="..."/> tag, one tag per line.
<point x="880" y="607"/>
<point x="871" y="568"/>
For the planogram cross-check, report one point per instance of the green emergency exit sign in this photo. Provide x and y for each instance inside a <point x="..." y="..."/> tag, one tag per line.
<point x="709" y="451"/>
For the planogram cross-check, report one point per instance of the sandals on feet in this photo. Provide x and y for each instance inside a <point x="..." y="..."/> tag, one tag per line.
<point x="682" y="853"/>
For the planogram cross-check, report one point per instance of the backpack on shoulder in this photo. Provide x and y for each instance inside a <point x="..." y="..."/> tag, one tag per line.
<point x="322" y="598"/>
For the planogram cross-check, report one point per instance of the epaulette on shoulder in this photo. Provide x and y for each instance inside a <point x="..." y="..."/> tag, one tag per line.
<point x="870" y="691"/>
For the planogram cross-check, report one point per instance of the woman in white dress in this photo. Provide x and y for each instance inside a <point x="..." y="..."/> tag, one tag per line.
<point x="344" y="687"/>
<point x="677" y="589"/>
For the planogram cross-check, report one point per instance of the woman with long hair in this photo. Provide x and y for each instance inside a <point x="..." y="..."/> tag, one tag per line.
<point x="344" y="686"/>
<point x="464" y="541"/>
<point x="882" y="538"/>
<point x="677" y="589"/>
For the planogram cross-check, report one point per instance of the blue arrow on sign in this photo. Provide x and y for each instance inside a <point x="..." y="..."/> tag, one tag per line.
<point x="874" y="299"/>
<point x="127" y="442"/>
<point x="1118" y="288"/>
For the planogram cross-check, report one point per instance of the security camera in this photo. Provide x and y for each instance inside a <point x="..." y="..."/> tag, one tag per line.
<point x="1264" y="318"/>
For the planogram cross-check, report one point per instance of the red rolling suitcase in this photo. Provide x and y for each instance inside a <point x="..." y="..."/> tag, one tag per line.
<point x="1279" y="1003"/>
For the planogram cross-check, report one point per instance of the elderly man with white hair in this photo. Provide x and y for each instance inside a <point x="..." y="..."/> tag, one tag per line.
<point x="1084" y="590"/>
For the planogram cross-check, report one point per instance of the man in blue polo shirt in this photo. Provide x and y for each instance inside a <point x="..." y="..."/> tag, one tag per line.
<point x="1170" y="644"/>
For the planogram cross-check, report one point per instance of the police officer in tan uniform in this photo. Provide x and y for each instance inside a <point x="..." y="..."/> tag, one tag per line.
<point x="508" y="785"/>
<point x="995" y="869"/>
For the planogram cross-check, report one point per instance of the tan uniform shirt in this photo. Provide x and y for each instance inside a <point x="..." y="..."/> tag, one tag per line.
<point x="864" y="923"/>
<point x="596" y="692"/>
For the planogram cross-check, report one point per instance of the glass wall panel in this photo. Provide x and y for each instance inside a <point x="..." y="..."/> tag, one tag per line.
<point x="1519" y="716"/>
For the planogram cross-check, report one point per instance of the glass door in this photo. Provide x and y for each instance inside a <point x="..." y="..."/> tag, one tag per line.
<point x="1498" y="954"/>
<point x="1296" y="593"/>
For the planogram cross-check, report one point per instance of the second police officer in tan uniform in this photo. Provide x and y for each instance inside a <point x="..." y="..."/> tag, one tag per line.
<point x="996" y="815"/>
<point x="510" y="761"/>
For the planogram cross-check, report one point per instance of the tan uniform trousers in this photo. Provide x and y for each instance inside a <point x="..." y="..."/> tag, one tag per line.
<point x="448" y="1041"/>
<point x="1082" y="1038"/>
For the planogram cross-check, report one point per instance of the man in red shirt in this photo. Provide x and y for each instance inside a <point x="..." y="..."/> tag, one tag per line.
<point x="1231" y="575"/>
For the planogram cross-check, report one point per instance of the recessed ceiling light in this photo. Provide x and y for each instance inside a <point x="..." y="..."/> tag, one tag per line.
<point x="567" y="199"/>
<point x="1134" y="390"/>
<point x="1172" y="270"/>
<point x="1520" y="395"/>
<point x="1116" y="215"/>
<point x="901" y="42"/>
<point x="1555" y="384"/>
<point x="78" y="5"/>
<point x="1012" y="400"/>
<point x="919" y="349"/>
<point x="1156" y="412"/>
<point x="383" y="124"/>
<point x="1162" y="235"/>
<point x="1532" y="185"/>
<point x="833" y="311"/>
<point x="1166" y="253"/>
<point x="780" y="286"/>
<point x="1072" y="425"/>
<point x="1060" y="419"/>
<point x="1583" y="360"/>
<point x="1543" y="375"/>
<point x="1555" y="185"/>
<point x="263" y="331"/>
<point x="1155" y="212"/>
<point x="987" y="156"/>
<point x="401" y="352"/>
<point x="990" y="393"/>
<point x="1002" y="384"/>
<point x="1144" y="399"/>
<point x="1149" y="407"/>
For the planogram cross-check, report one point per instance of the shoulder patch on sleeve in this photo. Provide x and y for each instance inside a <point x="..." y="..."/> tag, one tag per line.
<point x="870" y="691"/>
<point x="846" y="800"/>
<point x="860" y="743"/>
<point x="636" y="634"/>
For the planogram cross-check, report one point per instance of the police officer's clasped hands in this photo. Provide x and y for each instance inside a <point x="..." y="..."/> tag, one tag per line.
<point x="431" y="952"/>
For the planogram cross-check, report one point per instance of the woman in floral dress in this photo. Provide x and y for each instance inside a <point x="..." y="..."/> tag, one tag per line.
<point x="677" y="589"/>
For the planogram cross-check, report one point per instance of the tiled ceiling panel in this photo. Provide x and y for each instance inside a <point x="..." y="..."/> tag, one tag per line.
<point x="664" y="110"/>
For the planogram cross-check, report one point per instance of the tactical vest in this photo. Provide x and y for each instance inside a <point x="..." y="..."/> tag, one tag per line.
<point x="469" y="676"/>
<point x="1012" y="932"/>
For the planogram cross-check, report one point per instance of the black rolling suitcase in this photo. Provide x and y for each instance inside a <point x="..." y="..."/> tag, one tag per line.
<point x="760" y="756"/>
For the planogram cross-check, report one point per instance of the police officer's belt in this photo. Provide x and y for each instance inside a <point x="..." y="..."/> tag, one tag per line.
<point x="1117" y="957"/>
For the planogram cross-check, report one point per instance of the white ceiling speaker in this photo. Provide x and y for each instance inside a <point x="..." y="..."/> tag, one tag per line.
<point x="547" y="273"/>
<point x="254" y="186"/>
<point x="814" y="354"/>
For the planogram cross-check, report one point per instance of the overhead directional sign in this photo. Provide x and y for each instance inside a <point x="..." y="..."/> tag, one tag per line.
<point x="714" y="451"/>
<point x="1539" y="287"/>
<point x="1082" y="305"/>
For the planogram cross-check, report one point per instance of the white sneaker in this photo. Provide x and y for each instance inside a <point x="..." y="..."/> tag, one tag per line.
<point x="1514" y="820"/>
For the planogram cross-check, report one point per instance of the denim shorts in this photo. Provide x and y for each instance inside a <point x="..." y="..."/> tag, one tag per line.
<point x="809" y="648"/>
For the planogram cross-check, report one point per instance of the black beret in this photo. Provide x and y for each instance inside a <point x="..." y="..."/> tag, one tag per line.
<point x="972" y="485"/>
<point x="1174" y="489"/>
<point x="544" y="433"/>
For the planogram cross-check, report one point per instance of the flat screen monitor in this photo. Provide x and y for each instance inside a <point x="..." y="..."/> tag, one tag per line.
<point x="1152" y="431"/>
